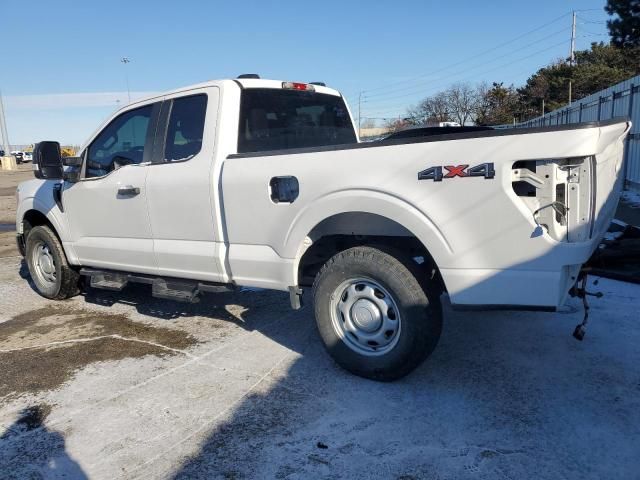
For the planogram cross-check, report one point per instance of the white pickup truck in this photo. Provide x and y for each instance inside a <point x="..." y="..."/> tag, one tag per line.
<point x="263" y="183"/>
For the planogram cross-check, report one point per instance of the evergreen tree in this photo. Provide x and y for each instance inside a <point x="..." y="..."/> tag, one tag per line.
<point x="624" y="28"/>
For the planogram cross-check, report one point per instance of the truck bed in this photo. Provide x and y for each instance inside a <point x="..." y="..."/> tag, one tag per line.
<point x="498" y="211"/>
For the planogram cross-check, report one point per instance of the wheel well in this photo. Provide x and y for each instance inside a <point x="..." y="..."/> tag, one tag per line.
<point x="352" y="229"/>
<point x="34" y="218"/>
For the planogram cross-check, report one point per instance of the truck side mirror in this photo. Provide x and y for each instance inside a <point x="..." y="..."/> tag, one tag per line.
<point x="48" y="160"/>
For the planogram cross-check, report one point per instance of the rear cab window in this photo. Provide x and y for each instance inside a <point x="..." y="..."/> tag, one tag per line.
<point x="274" y="119"/>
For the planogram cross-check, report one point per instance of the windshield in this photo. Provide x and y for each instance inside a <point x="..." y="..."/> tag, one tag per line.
<point x="272" y="119"/>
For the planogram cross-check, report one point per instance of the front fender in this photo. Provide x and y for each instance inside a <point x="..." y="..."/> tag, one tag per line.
<point x="38" y="195"/>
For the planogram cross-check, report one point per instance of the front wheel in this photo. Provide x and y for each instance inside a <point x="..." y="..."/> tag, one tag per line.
<point x="51" y="273"/>
<point x="376" y="317"/>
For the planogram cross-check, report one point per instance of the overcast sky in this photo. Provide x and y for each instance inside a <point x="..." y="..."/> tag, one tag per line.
<point x="62" y="73"/>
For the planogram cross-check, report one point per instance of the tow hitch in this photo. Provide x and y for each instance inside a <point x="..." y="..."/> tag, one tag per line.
<point x="581" y="292"/>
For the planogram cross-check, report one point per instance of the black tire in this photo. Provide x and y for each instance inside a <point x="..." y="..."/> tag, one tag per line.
<point x="418" y="305"/>
<point x="64" y="280"/>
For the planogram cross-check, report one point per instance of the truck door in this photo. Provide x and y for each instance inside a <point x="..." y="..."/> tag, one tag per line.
<point x="181" y="188"/>
<point x="107" y="209"/>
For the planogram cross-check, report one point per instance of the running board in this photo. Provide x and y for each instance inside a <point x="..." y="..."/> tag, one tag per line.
<point x="108" y="281"/>
<point x="181" y="290"/>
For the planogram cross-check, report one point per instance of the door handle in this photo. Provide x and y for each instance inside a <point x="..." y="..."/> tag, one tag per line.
<point x="129" y="191"/>
<point x="284" y="189"/>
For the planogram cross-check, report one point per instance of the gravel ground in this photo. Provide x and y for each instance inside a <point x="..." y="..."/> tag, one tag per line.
<point x="8" y="182"/>
<point x="238" y="386"/>
<point x="9" y="179"/>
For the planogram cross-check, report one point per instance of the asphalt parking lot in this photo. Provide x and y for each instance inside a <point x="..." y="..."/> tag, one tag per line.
<point x="238" y="386"/>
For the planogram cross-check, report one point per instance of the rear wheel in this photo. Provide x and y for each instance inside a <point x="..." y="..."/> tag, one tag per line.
<point x="51" y="273"/>
<point x="375" y="316"/>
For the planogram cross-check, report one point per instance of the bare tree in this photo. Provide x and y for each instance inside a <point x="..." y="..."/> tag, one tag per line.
<point x="393" y="125"/>
<point x="483" y="103"/>
<point x="431" y="109"/>
<point x="458" y="103"/>
<point x="462" y="99"/>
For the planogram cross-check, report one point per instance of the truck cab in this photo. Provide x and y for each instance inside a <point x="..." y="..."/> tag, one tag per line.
<point x="146" y="200"/>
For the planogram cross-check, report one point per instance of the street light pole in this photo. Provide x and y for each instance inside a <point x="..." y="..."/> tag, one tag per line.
<point x="126" y="60"/>
<point x="3" y="130"/>
<point x="359" y="109"/>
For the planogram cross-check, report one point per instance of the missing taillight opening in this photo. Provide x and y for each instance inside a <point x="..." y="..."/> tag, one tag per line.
<point x="559" y="193"/>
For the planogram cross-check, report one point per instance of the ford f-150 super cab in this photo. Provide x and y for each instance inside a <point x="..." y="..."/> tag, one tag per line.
<point x="263" y="183"/>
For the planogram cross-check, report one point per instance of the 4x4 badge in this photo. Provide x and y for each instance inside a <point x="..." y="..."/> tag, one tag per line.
<point x="436" y="174"/>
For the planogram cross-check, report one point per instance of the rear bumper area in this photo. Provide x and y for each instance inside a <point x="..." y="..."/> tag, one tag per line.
<point x="511" y="288"/>
<point x="539" y="267"/>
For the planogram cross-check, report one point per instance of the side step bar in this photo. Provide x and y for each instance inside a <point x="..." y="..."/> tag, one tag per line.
<point x="169" y="288"/>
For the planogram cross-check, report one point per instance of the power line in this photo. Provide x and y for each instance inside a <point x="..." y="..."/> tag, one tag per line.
<point x="585" y="22"/>
<point x="593" y="34"/>
<point x="377" y="101"/>
<point x="497" y="47"/>
<point x="420" y="88"/>
<point x="494" y="59"/>
<point x="380" y="109"/>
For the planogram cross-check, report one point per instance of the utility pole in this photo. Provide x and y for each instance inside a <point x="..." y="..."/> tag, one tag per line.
<point x="3" y="130"/>
<point x="572" y="52"/>
<point x="359" y="109"/>
<point x="126" y="60"/>
<point x="543" y="106"/>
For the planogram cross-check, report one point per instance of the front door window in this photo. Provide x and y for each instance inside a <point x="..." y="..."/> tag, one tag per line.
<point x="120" y="143"/>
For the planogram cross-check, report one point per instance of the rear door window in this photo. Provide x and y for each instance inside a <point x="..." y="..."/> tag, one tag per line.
<point x="272" y="119"/>
<point x="185" y="128"/>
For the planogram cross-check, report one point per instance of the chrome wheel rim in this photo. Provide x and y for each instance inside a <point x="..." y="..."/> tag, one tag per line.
<point x="365" y="316"/>
<point x="44" y="265"/>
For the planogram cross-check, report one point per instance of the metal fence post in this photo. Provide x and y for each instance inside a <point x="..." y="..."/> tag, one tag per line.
<point x="613" y="103"/>
<point x="580" y="113"/>
<point x="599" y="106"/>
<point x="628" y="139"/>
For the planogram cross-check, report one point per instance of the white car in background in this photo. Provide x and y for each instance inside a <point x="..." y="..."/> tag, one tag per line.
<point x="18" y="155"/>
<point x="28" y="156"/>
